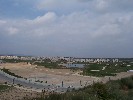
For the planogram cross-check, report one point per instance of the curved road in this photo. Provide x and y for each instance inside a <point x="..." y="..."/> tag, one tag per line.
<point x="30" y="84"/>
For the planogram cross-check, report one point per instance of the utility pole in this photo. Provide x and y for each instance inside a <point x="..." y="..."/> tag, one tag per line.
<point x="80" y="82"/>
<point x="13" y="80"/>
<point x="62" y="83"/>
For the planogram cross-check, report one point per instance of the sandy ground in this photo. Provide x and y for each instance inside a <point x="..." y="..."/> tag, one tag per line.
<point x="51" y="76"/>
<point x="56" y="76"/>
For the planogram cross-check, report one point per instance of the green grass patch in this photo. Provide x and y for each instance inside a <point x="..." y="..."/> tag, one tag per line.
<point x="47" y="64"/>
<point x="4" y="87"/>
<point x="15" y="60"/>
<point x="110" y="70"/>
<point x="95" y="66"/>
<point x="10" y="73"/>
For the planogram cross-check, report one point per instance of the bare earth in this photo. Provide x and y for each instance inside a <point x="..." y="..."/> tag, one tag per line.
<point x="51" y="76"/>
<point x="56" y="76"/>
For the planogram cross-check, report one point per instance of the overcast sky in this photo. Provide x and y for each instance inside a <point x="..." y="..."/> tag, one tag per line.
<point x="79" y="28"/>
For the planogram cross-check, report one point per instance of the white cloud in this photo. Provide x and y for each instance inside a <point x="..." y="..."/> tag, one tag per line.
<point x="62" y="7"/>
<point x="47" y="4"/>
<point x="101" y="4"/>
<point x="48" y="17"/>
<point x="97" y="6"/>
<point x="12" y="30"/>
<point x="77" y="23"/>
<point x="101" y="26"/>
<point x="2" y="22"/>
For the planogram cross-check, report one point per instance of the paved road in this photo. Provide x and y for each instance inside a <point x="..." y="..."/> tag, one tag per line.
<point x="30" y="84"/>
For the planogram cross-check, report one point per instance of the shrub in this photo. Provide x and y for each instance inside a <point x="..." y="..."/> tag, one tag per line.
<point x="127" y="82"/>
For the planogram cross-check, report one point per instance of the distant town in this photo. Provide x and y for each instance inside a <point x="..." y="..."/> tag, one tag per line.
<point x="36" y="77"/>
<point x="68" y="59"/>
